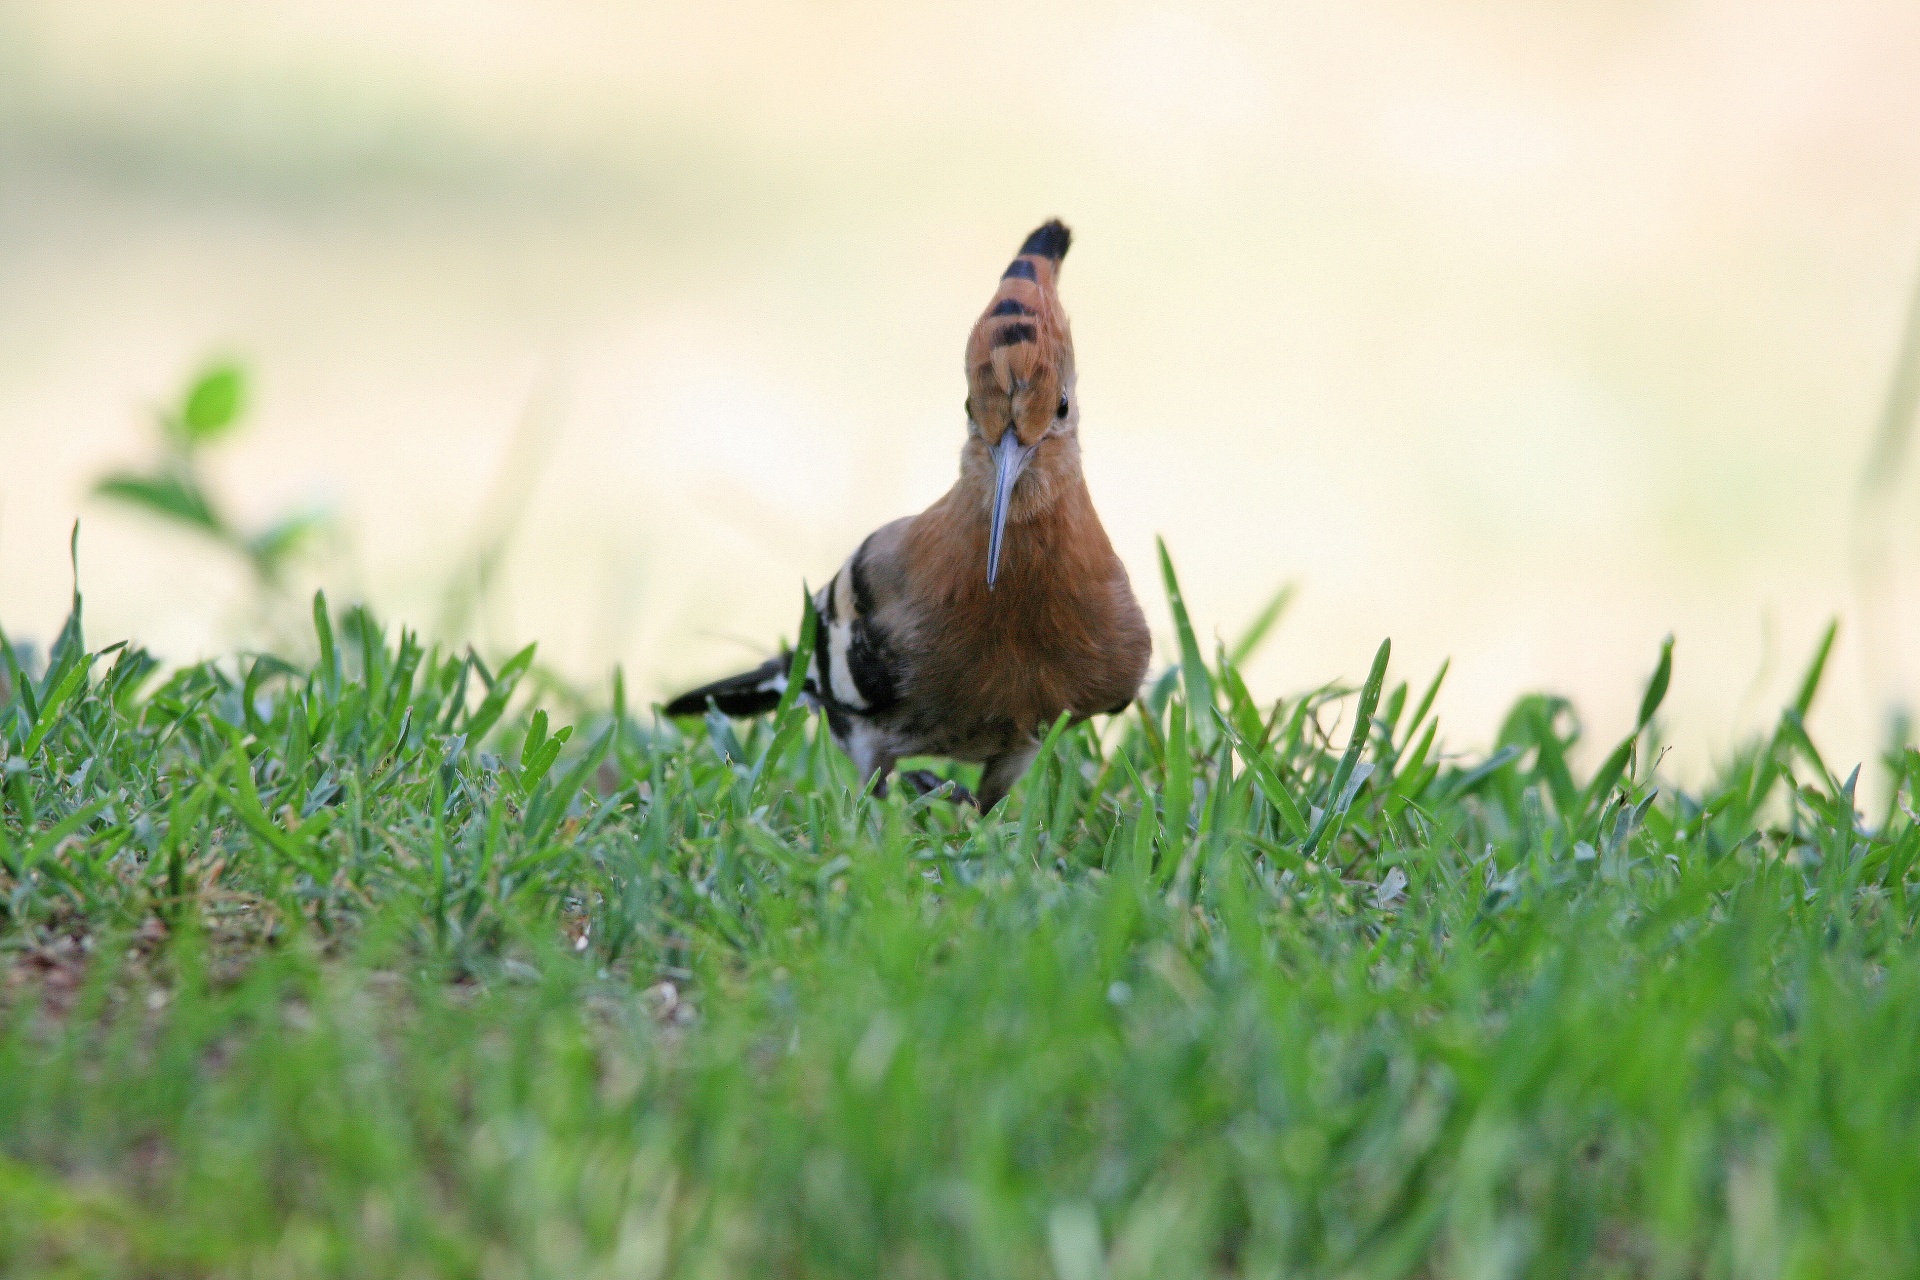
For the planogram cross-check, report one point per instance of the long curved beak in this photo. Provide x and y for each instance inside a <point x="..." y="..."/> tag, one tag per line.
<point x="1009" y="460"/>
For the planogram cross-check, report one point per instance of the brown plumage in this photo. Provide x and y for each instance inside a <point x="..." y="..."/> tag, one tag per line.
<point x="967" y="630"/>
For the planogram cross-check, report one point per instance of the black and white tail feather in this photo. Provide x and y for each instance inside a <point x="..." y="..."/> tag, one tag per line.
<point x="751" y="693"/>
<point x="855" y="678"/>
<point x="854" y="674"/>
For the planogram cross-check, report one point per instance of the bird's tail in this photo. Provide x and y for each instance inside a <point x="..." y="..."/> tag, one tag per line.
<point x="751" y="693"/>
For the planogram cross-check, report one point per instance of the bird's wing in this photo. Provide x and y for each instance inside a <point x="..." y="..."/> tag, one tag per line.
<point x="857" y="665"/>
<point x="859" y="657"/>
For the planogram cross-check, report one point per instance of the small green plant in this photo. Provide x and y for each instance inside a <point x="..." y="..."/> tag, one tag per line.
<point x="175" y="488"/>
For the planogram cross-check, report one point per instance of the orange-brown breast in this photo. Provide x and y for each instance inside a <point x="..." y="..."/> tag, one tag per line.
<point x="1060" y="631"/>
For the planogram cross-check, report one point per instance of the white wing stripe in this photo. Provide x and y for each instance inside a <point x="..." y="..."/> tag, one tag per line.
<point x="837" y="638"/>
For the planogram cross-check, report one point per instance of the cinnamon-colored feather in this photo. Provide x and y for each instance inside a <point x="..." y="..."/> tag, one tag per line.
<point x="1060" y="632"/>
<point x="1020" y="352"/>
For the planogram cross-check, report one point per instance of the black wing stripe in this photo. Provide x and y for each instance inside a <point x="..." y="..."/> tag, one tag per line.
<point x="862" y="597"/>
<point x="872" y="664"/>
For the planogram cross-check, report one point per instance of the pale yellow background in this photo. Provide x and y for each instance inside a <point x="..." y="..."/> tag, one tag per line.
<point x="1522" y="333"/>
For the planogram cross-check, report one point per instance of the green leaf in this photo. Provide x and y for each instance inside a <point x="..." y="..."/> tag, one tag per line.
<point x="1193" y="669"/>
<point x="1250" y="640"/>
<point x="1616" y="763"/>
<point x="540" y="751"/>
<point x="214" y="404"/>
<point x="1609" y="774"/>
<point x="13" y="681"/>
<point x="545" y="819"/>
<point x="271" y="547"/>
<point x="1031" y="796"/>
<point x="1534" y="722"/>
<point x="1461" y="784"/>
<point x="329" y="669"/>
<point x="70" y="684"/>
<point x="790" y="717"/>
<point x="1244" y="715"/>
<point x="169" y="497"/>
<point x="1146" y="820"/>
<point x="1769" y="764"/>
<point x="1656" y="687"/>
<point x="44" y="847"/>
<point x="1177" y="792"/>
<point x="244" y="799"/>
<point x="499" y="690"/>
<point x="1810" y="683"/>
<point x="1426" y="699"/>
<point x="802" y="656"/>
<point x="1362" y="730"/>
<point x="1413" y="772"/>
<point x="536" y="736"/>
<point x="1269" y="783"/>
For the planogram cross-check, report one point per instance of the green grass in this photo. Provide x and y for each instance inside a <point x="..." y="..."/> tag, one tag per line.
<point x="364" y="968"/>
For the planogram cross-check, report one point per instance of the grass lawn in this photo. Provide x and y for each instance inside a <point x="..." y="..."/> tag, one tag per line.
<point x="364" y="967"/>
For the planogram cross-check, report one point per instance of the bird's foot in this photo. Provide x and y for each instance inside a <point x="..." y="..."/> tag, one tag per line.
<point x="924" y="782"/>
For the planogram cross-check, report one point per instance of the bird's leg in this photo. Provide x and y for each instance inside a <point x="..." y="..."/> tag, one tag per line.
<point x="924" y="782"/>
<point x="870" y="753"/>
<point x="1002" y="772"/>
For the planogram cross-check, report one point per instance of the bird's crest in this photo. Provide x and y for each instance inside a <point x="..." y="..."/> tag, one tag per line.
<point x="1021" y="349"/>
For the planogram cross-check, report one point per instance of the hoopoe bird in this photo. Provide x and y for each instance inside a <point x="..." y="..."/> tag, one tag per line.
<point x="966" y="631"/>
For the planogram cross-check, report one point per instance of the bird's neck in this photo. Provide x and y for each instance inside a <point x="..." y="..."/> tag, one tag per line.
<point x="1049" y="488"/>
<point x="1053" y="535"/>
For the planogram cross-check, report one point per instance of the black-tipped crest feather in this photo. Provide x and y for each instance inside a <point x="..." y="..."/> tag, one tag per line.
<point x="1050" y="240"/>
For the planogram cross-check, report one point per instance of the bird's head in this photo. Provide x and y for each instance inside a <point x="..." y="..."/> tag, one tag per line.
<point x="1021" y="401"/>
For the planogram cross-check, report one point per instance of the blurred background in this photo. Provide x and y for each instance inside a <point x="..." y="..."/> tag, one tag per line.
<point x="1521" y="333"/>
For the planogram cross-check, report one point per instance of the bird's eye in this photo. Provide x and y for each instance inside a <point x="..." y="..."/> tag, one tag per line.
<point x="1061" y="412"/>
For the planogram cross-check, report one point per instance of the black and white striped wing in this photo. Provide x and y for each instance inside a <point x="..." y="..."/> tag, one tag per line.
<point x="856" y="670"/>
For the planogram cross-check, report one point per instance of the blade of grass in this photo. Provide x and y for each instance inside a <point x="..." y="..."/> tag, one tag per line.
<point x="1256" y="633"/>
<point x="1193" y="668"/>
<point x="1349" y="763"/>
